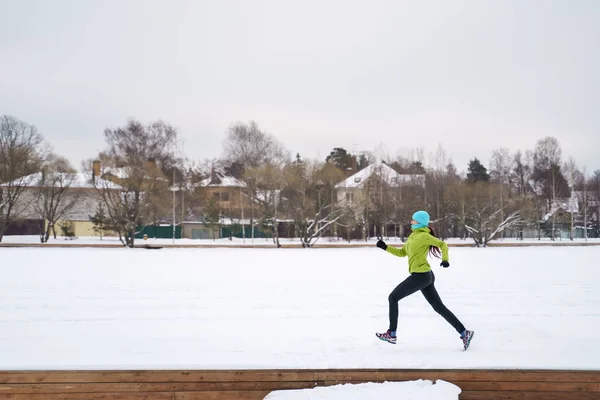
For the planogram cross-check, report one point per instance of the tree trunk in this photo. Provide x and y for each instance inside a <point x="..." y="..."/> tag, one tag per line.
<point x="585" y="231"/>
<point x="553" y="202"/>
<point x="43" y="230"/>
<point x="131" y="238"/>
<point x="571" y="232"/>
<point x="47" y="233"/>
<point x="276" y="227"/>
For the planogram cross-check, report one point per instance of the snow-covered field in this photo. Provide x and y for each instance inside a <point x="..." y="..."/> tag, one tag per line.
<point x="533" y="307"/>
<point x="94" y="240"/>
<point x="413" y="390"/>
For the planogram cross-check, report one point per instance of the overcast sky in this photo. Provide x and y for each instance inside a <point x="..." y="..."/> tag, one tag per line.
<point x="384" y="76"/>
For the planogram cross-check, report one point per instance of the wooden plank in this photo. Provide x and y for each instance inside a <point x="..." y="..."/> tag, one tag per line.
<point x="460" y="375"/>
<point x="529" y="386"/>
<point x="150" y="387"/>
<point x="470" y="395"/>
<point x="89" y="396"/>
<point x="510" y="386"/>
<point x="230" y="395"/>
<point x="158" y="376"/>
<point x="254" y="386"/>
<point x="153" y="376"/>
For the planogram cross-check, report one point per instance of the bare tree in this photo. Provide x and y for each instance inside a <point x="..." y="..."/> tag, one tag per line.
<point x="572" y="174"/>
<point x="136" y="156"/>
<point x="483" y="224"/>
<point x="264" y="185"/>
<point x="349" y="221"/>
<point x="593" y="191"/>
<point x="22" y="151"/>
<point x="190" y="193"/>
<point x="522" y="168"/>
<point x="584" y="200"/>
<point x="380" y="193"/>
<point x="309" y="202"/>
<point x="481" y="215"/>
<point x="55" y="196"/>
<point x="500" y="174"/>
<point x="500" y="166"/>
<point x="249" y="146"/>
<point x="548" y="174"/>
<point x="440" y="176"/>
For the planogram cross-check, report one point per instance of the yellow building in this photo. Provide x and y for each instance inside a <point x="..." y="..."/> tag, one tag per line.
<point x="80" y="201"/>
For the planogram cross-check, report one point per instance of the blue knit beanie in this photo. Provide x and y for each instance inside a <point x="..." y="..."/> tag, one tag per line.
<point x="422" y="217"/>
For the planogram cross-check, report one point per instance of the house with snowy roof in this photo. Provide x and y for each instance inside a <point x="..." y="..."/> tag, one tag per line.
<point x="121" y="175"/>
<point x="228" y="196"/>
<point x="230" y="199"/>
<point x="576" y="211"/>
<point x="80" y="193"/>
<point x="228" y="193"/>
<point x="357" y="188"/>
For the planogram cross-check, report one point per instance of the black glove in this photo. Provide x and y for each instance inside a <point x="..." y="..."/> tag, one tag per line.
<point x="381" y="244"/>
<point x="445" y="264"/>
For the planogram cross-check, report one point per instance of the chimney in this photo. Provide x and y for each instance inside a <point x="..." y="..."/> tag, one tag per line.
<point x="150" y="164"/>
<point x="96" y="168"/>
<point x="353" y="168"/>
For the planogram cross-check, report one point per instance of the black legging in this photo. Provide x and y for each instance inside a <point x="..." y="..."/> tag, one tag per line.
<point x="425" y="283"/>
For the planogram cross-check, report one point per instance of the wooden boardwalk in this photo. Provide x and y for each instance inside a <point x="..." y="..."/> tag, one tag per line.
<point x="256" y="384"/>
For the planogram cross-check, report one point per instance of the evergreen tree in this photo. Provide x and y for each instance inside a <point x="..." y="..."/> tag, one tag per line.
<point x="235" y="169"/>
<point x="99" y="220"/>
<point x="340" y="158"/>
<point x="477" y="172"/>
<point x="212" y="214"/>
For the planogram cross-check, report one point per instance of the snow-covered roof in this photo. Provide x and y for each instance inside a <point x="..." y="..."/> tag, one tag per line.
<point x="77" y="180"/>
<point x="384" y="172"/>
<point x="570" y="205"/>
<point x="124" y="173"/>
<point x="221" y="180"/>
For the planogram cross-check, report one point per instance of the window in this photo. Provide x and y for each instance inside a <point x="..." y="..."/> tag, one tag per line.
<point x="221" y="196"/>
<point x="357" y="179"/>
<point x="350" y="197"/>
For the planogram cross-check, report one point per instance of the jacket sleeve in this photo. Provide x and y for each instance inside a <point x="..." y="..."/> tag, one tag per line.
<point x="400" y="252"/>
<point x="432" y="240"/>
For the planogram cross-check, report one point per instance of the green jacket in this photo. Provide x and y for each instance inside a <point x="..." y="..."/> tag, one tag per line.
<point x="416" y="248"/>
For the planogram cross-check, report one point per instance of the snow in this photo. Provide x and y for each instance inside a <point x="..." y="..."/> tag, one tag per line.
<point x="230" y="308"/>
<point x="570" y="205"/>
<point x="262" y="242"/>
<point x="410" y="390"/>
<point x="240" y="242"/>
<point x="384" y="171"/>
<point x="78" y="180"/>
<point x="223" y="181"/>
